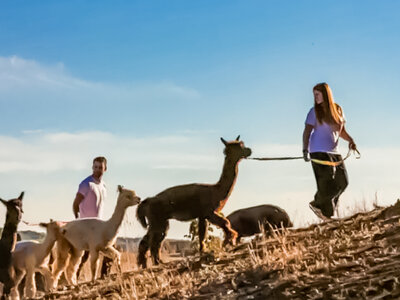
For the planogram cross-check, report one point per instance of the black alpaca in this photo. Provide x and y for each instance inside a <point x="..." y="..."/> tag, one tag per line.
<point x="8" y="240"/>
<point x="249" y="221"/>
<point x="190" y="201"/>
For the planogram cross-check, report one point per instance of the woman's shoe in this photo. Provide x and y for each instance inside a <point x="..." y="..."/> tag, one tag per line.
<point x="317" y="211"/>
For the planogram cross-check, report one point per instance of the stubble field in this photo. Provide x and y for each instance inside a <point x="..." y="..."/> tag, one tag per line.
<point x="352" y="258"/>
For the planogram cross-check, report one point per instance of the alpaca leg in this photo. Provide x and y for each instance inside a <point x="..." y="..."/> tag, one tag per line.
<point x="72" y="267"/>
<point x="7" y="288"/>
<point x="107" y="263"/>
<point x="158" y="235"/>
<point x="222" y="222"/>
<point x="18" y="277"/>
<point x="105" y="267"/>
<point x="61" y="253"/>
<point x="94" y="263"/>
<point x="143" y="247"/>
<point x="83" y="260"/>
<point x="115" y="255"/>
<point x="155" y="237"/>
<point x="203" y="225"/>
<point x="58" y="267"/>
<point x="14" y="294"/>
<point x="30" y="285"/>
<point x="7" y="278"/>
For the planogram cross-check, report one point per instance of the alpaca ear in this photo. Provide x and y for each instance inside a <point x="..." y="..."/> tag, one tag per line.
<point x="21" y="196"/>
<point x="238" y="137"/>
<point x="3" y="201"/>
<point x="223" y="141"/>
<point x="43" y="225"/>
<point x="120" y="188"/>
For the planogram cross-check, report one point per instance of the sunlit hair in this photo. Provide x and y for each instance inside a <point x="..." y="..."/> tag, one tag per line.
<point x="101" y="159"/>
<point x="328" y="111"/>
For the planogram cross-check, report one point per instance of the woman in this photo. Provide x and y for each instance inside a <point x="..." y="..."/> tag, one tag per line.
<point x="323" y="127"/>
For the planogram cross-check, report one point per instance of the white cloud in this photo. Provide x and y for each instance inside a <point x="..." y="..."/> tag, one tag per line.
<point x="32" y="131"/>
<point x="19" y="72"/>
<point x="21" y="77"/>
<point x="53" y="152"/>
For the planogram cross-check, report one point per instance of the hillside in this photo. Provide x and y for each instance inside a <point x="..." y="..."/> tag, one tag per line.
<point x="353" y="258"/>
<point x="126" y="244"/>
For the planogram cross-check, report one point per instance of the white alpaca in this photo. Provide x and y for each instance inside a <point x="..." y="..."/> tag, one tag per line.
<point x="93" y="235"/>
<point x="30" y="257"/>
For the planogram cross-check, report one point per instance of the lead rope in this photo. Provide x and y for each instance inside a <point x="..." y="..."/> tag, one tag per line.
<point x="29" y="223"/>
<point x="276" y="158"/>
<point x="38" y="224"/>
<point x="318" y="161"/>
<point x="336" y="163"/>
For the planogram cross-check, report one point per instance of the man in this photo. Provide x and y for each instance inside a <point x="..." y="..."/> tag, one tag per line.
<point x="88" y="202"/>
<point x="89" y="199"/>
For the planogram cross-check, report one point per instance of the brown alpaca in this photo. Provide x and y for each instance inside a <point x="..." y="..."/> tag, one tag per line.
<point x="190" y="201"/>
<point x="249" y="221"/>
<point x="8" y="240"/>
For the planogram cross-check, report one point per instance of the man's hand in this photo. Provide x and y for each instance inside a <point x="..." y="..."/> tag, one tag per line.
<point x="306" y="155"/>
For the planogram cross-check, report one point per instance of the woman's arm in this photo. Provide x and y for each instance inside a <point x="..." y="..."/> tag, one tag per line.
<point x="306" y="139"/>
<point x="346" y="136"/>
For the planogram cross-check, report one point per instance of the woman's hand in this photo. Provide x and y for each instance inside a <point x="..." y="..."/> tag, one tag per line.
<point x="306" y="156"/>
<point x="352" y="145"/>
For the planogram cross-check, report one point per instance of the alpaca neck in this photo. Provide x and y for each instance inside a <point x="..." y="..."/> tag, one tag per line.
<point x="116" y="219"/>
<point x="228" y="177"/>
<point x="9" y="234"/>
<point x="46" y="246"/>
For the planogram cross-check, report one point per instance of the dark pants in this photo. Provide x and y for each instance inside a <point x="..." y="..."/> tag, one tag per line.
<point x="331" y="182"/>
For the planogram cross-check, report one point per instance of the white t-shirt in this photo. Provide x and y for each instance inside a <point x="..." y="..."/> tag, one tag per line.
<point x="94" y="193"/>
<point x="324" y="137"/>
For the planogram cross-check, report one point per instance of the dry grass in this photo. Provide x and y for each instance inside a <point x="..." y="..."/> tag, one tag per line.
<point x="353" y="258"/>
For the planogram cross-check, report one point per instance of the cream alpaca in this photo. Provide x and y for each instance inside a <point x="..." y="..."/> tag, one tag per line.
<point x="93" y="235"/>
<point x="30" y="257"/>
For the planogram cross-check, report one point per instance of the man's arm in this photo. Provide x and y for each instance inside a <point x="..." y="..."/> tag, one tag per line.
<point x="75" y="207"/>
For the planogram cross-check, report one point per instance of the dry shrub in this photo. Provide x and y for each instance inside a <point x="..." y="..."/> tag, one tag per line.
<point x="212" y="243"/>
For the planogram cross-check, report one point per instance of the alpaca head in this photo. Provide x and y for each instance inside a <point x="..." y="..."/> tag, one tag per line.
<point x="52" y="228"/>
<point x="236" y="149"/>
<point x="14" y="208"/>
<point x="127" y="197"/>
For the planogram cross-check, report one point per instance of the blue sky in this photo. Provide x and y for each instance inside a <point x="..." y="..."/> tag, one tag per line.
<point x="154" y="84"/>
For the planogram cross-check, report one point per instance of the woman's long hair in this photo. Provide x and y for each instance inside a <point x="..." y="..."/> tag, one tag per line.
<point x="328" y="111"/>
